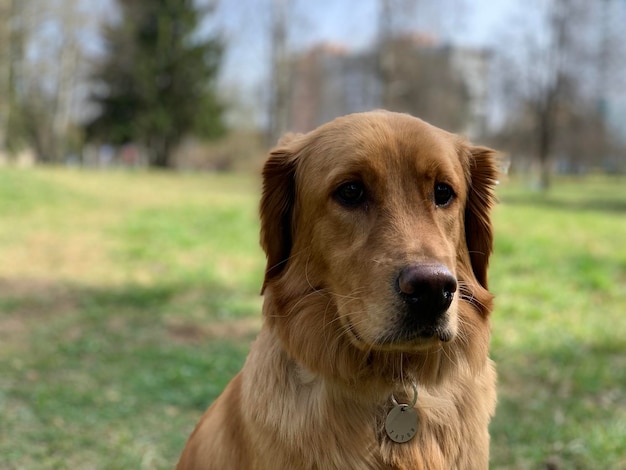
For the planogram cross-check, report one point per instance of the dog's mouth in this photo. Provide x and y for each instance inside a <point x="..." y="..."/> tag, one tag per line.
<point x="403" y="339"/>
<point x="422" y="338"/>
<point x="441" y="333"/>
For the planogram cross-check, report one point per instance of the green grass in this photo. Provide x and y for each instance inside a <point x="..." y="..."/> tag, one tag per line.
<point x="114" y="290"/>
<point x="128" y="301"/>
<point x="559" y="335"/>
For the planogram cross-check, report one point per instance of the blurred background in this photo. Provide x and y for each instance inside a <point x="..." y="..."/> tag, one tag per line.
<point x="154" y="83"/>
<point x="132" y="133"/>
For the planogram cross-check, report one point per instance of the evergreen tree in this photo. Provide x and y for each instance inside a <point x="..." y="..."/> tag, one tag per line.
<point x="157" y="80"/>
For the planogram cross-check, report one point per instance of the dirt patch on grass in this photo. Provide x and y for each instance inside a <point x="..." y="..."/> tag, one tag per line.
<point x="28" y="298"/>
<point x="25" y="303"/>
<point x="56" y="255"/>
<point x="238" y="330"/>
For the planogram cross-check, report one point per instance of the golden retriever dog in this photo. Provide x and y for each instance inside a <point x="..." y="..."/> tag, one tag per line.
<point x="374" y="349"/>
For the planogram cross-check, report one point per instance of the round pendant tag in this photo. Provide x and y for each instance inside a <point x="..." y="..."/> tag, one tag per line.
<point x="401" y="423"/>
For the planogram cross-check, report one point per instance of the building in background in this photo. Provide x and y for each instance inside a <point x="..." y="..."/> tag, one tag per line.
<point x="445" y="85"/>
<point x="473" y="66"/>
<point x="329" y="81"/>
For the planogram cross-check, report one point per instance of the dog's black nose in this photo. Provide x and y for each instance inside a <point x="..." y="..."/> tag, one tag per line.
<point x="428" y="289"/>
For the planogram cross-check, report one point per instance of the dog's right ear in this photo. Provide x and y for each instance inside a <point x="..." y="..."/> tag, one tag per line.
<point x="279" y="192"/>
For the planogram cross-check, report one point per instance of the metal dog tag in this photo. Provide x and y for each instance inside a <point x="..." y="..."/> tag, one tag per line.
<point x="401" y="423"/>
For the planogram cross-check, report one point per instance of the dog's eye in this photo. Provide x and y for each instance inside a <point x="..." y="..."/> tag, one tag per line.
<point x="443" y="194"/>
<point x="350" y="194"/>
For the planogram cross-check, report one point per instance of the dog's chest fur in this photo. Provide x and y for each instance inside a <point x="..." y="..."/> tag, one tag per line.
<point x="307" y="423"/>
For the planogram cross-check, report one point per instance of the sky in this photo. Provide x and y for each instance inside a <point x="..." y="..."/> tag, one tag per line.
<point x="351" y="23"/>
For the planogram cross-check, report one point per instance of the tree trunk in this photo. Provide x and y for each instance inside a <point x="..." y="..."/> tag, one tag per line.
<point x="159" y="152"/>
<point x="545" y="147"/>
<point x="279" y="74"/>
<point x="6" y="67"/>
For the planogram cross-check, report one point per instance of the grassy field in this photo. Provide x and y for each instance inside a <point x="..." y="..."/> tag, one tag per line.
<point x="128" y="300"/>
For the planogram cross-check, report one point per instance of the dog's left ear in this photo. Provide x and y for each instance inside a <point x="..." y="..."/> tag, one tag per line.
<point x="279" y="192"/>
<point x="482" y="178"/>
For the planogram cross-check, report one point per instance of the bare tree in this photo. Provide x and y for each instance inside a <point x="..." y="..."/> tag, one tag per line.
<point x="48" y="104"/>
<point x="11" y="56"/>
<point x="279" y="72"/>
<point x="6" y="14"/>
<point x="390" y="22"/>
<point x="561" y="58"/>
<point x="611" y="80"/>
<point x="416" y="71"/>
<point x="552" y="87"/>
<point x="41" y="90"/>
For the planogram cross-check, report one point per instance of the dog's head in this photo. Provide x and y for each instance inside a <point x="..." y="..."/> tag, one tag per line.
<point x="377" y="234"/>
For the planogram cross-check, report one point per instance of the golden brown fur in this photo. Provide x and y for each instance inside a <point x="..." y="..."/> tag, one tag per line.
<point x="317" y="384"/>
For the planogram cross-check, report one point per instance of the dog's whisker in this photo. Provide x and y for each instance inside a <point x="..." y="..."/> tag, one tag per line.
<point x="444" y="351"/>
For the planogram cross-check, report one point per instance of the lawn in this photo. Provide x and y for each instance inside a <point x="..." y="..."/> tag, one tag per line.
<point x="129" y="299"/>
